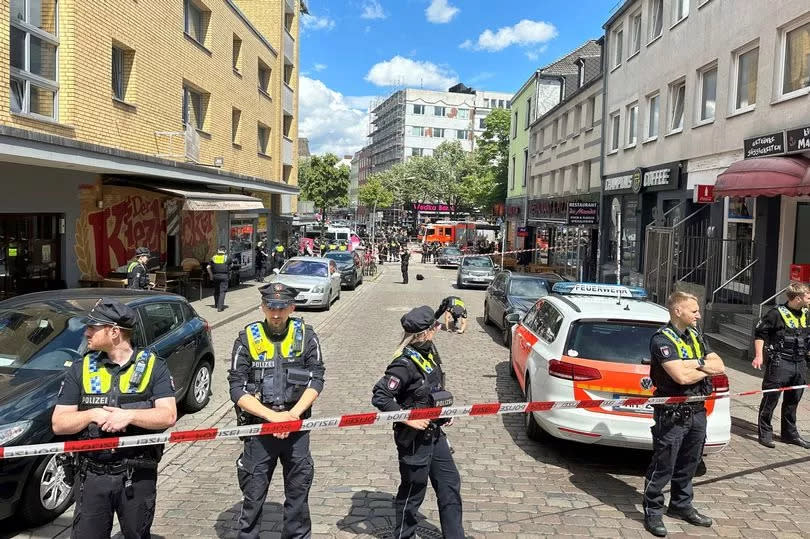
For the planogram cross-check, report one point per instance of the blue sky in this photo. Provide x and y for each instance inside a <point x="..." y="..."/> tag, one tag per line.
<point x="354" y="50"/>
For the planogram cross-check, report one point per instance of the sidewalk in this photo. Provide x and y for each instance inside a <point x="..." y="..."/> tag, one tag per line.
<point x="238" y="301"/>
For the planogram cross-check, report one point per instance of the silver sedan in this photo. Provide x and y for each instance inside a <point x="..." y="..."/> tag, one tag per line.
<point x="316" y="279"/>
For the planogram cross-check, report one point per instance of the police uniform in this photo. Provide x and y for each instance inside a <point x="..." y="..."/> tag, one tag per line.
<point x="404" y="259"/>
<point x="786" y="335"/>
<point x="455" y="306"/>
<point x="276" y="369"/>
<point x="415" y="380"/>
<point x="278" y="255"/>
<point x="137" y="274"/>
<point x="121" y="481"/>
<point x="220" y="274"/>
<point x="679" y="431"/>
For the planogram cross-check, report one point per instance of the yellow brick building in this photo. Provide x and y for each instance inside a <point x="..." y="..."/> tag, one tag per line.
<point x="120" y="116"/>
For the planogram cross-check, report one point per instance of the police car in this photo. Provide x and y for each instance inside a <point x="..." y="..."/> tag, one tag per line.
<point x="592" y="341"/>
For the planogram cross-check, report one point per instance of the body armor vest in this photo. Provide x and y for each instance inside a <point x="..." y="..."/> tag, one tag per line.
<point x="793" y="346"/>
<point x="219" y="264"/>
<point x="432" y="380"/>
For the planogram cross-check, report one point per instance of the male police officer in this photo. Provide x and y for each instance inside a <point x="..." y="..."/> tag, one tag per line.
<point x="404" y="260"/>
<point x="137" y="275"/>
<point x="219" y="273"/>
<point x="681" y="365"/>
<point x="453" y="306"/>
<point x="114" y="391"/>
<point x="783" y="330"/>
<point x="278" y="255"/>
<point x="276" y="374"/>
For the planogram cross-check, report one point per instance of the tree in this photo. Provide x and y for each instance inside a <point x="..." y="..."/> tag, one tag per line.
<point x="323" y="183"/>
<point x="451" y="165"/>
<point x="373" y="194"/>
<point x="493" y="151"/>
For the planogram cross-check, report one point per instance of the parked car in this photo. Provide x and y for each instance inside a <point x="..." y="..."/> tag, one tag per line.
<point x="40" y="335"/>
<point x="475" y="270"/>
<point x="350" y="267"/>
<point x="512" y="292"/>
<point x="449" y="257"/>
<point x="317" y="280"/>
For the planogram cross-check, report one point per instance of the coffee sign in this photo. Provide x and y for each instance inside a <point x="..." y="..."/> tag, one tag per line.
<point x="798" y="140"/>
<point x="765" y="145"/>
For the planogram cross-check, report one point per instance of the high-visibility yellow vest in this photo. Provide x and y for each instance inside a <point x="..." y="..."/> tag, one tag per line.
<point x="790" y="319"/>
<point x="684" y="350"/>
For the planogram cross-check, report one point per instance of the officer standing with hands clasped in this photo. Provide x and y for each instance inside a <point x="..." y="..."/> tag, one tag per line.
<point x="219" y="272"/>
<point x="415" y="380"/>
<point x="114" y="391"/>
<point x="275" y="376"/>
<point x="784" y="334"/>
<point x="137" y="274"/>
<point x="682" y="364"/>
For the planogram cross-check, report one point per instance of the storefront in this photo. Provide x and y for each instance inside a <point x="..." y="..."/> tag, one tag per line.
<point x="515" y="211"/>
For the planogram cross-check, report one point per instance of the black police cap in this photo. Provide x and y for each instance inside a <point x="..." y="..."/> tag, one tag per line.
<point x="141" y="251"/>
<point x="110" y="312"/>
<point x="278" y="295"/>
<point x="418" y="319"/>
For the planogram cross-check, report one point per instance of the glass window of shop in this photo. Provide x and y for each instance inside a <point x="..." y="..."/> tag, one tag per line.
<point x="627" y="208"/>
<point x="30" y="253"/>
<point x="242" y="242"/>
<point x="571" y="248"/>
<point x="738" y="237"/>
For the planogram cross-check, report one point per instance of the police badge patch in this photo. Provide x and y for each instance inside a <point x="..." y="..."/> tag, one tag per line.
<point x="665" y="351"/>
<point x="393" y="383"/>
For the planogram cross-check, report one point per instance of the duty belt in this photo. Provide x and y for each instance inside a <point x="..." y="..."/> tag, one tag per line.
<point x="118" y="467"/>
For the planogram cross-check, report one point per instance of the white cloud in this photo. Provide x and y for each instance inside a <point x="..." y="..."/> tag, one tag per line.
<point x="524" y="33"/>
<point x="372" y="10"/>
<point x="319" y="67"/>
<point x="535" y="54"/>
<point x="331" y="121"/>
<point x="440" y="12"/>
<point x="466" y="44"/>
<point x="313" y="22"/>
<point x="404" y="71"/>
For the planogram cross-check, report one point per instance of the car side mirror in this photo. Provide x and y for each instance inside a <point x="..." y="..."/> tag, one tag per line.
<point x="513" y="318"/>
<point x="497" y="267"/>
<point x="646" y="361"/>
<point x="276" y="271"/>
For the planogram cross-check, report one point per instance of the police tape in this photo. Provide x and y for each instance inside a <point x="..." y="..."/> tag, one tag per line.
<point x="355" y="420"/>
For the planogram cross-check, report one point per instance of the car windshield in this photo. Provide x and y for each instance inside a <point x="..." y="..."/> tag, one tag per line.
<point x="38" y="337"/>
<point x="528" y="288"/>
<point x="478" y="261"/>
<point x="304" y="267"/>
<point x="342" y="256"/>
<point x="616" y="341"/>
<point x="452" y="251"/>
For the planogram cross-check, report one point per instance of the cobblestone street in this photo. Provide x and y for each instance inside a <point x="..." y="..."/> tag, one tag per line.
<point x="511" y="486"/>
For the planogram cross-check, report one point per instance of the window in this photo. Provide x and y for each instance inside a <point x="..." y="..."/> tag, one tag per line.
<point x="745" y="92"/>
<point x="438" y="111"/>
<point x="417" y="152"/>
<point x="632" y="124"/>
<point x="618" y="41"/>
<point x="635" y="37"/>
<point x="236" y="135"/>
<point x="121" y="71"/>
<point x="616" y="342"/>
<point x="486" y="103"/>
<point x="161" y="319"/>
<point x="264" y="78"/>
<point x="708" y="93"/>
<point x="438" y="132"/>
<point x="591" y="112"/>
<point x="677" y="98"/>
<point x="514" y="125"/>
<point x="525" y="165"/>
<point x="196" y="19"/>
<point x="418" y="109"/>
<point x="680" y="10"/>
<point x="512" y="174"/>
<point x="33" y="58"/>
<point x="615" y="132"/>
<point x="656" y="18"/>
<point x="653" y="103"/>
<point x="263" y="138"/>
<point x="528" y="112"/>
<point x="541" y="140"/>
<point x="237" y="53"/>
<point x="564" y="126"/>
<point x="555" y="131"/>
<point x="462" y="134"/>
<point x="796" y="59"/>
<point x="482" y="123"/>
<point x="463" y="114"/>
<point x="195" y="105"/>
<point x="577" y="119"/>
<point x="500" y="104"/>
<point x="417" y="131"/>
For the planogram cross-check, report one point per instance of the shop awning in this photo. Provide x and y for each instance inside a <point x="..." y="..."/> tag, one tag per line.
<point x="210" y="201"/>
<point x="766" y="176"/>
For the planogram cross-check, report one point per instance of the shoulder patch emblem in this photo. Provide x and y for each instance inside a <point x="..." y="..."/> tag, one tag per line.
<point x="393" y="383"/>
<point x="665" y="351"/>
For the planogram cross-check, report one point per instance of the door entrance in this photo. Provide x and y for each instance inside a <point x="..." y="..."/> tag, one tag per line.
<point x="30" y="253"/>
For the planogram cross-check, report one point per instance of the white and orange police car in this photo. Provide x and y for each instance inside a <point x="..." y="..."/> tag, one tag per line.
<point x="592" y="341"/>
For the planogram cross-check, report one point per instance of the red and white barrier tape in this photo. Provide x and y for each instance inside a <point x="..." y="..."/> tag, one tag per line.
<point x="352" y="420"/>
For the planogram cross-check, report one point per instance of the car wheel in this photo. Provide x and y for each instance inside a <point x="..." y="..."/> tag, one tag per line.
<point x="506" y="334"/>
<point x="338" y="294"/>
<point x="328" y="305"/>
<point x="487" y="321"/>
<point x="46" y="495"/>
<point x="199" y="390"/>
<point x="533" y="430"/>
<point x="458" y="284"/>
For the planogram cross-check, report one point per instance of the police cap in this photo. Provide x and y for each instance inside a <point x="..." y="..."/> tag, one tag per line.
<point x="278" y="295"/>
<point x="142" y="251"/>
<point x="418" y="319"/>
<point x="110" y="312"/>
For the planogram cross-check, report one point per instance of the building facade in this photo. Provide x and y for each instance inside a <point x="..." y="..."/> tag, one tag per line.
<point x="124" y="128"/>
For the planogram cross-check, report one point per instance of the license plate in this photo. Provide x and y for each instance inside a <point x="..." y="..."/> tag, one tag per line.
<point x="479" y="279"/>
<point x="301" y="295"/>
<point x="635" y="408"/>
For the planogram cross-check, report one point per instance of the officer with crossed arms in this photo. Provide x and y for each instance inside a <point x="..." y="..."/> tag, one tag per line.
<point x="784" y="334"/>
<point x="275" y="376"/>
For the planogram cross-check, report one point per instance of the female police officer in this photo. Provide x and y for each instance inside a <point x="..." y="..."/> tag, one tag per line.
<point x="415" y="380"/>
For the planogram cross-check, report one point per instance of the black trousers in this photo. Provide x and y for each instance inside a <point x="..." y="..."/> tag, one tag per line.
<point x="98" y="497"/>
<point x="782" y="373"/>
<point x="255" y="468"/>
<point x="677" y="450"/>
<point x="419" y="461"/>
<point x="220" y="283"/>
<point x="404" y="269"/>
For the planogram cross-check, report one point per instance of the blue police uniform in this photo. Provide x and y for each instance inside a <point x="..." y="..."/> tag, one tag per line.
<point x="220" y="273"/>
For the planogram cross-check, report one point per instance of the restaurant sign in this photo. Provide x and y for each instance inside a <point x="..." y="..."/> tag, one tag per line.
<point x="764" y="146"/>
<point x="798" y="140"/>
<point x="583" y="213"/>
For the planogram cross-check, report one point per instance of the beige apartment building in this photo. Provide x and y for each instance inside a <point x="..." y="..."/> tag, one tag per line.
<point x="159" y="123"/>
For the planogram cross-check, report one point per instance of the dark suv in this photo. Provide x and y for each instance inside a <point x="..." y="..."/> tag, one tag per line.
<point x="40" y="335"/>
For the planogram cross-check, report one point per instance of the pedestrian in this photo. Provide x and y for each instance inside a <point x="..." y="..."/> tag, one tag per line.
<point x="453" y="306"/>
<point x="137" y="274"/>
<point x="682" y="364"/>
<point x="218" y="271"/>
<point x="261" y="262"/>
<point x="425" y="253"/>
<point x="784" y="334"/>
<point x="383" y="251"/>
<point x="92" y="403"/>
<point x="415" y="380"/>
<point x="276" y="375"/>
<point x="404" y="260"/>
<point x="278" y="255"/>
<point x="434" y="252"/>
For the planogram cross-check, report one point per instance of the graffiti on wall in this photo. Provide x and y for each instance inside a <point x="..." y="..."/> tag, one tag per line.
<point x="199" y="234"/>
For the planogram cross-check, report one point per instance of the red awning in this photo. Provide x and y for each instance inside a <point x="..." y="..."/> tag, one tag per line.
<point x="766" y="176"/>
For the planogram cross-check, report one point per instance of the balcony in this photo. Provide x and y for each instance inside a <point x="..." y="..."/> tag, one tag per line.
<point x="289" y="47"/>
<point x="289" y="6"/>
<point x="288" y="100"/>
<point x="287" y="151"/>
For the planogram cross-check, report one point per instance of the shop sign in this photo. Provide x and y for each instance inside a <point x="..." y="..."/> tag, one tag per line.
<point x="545" y="209"/>
<point x="619" y="183"/>
<point x="635" y="183"/>
<point x="514" y="209"/>
<point x="798" y="140"/>
<point x="440" y="208"/>
<point x="704" y="194"/>
<point x="522" y="232"/>
<point x="765" y="145"/>
<point x="653" y="179"/>
<point x="583" y="213"/>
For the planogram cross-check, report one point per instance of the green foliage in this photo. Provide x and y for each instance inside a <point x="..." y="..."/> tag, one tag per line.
<point x="374" y="194"/>
<point x="493" y="151"/>
<point x="323" y="183"/>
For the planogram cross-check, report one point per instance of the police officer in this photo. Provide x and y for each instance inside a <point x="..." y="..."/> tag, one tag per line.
<point x="260" y="261"/>
<point x="218" y="271"/>
<point x="415" y="380"/>
<point x="682" y="364"/>
<point x="278" y="255"/>
<point x="404" y="260"/>
<point x="114" y="391"/>
<point x="784" y="333"/>
<point x="453" y="306"/>
<point x="276" y="374"/>
<point x="137" y="275"/>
